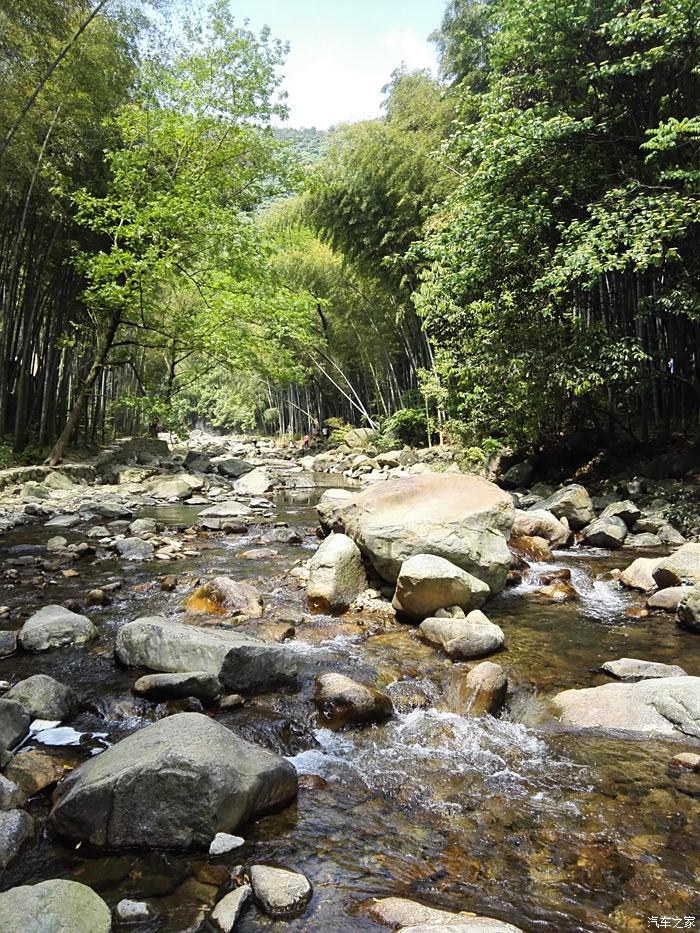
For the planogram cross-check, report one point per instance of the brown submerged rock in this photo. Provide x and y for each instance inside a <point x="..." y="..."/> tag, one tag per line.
<point x="223" y="596"/>
<point x="343" y="701"/>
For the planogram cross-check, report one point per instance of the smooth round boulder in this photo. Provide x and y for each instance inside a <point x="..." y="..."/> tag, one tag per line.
<point x="280" y="892"/>
<point x="55" y="906"/>
<point x="628" y="511"/>
<point x="44" y="697"/>
<point x="667" y="599"/>
<point x="343" y="701"/>
<point x="462" y="639"/>
<point x="257" y="482"/>
<point x="330" y="509"/>
<point x="173" y="784"/>
<point x="336" y="575"/>
<point x="427" y="583"/>
<point x="55" y="627"/>
<point x="464" y="519"/>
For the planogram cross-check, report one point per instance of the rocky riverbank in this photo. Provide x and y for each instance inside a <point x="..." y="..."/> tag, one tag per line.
<point x="177" y="646"/>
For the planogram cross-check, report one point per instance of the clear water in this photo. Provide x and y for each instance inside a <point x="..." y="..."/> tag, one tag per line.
<point x="508" y="816"/>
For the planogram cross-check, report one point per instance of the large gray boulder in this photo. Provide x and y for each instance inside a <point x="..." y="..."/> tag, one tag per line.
<point x="330" y="508"/>
<point x="44" y="697"/>
<point x="427" y="583"/>
<point x="539" y="523"/>
<point x="605" y="532"/>
<point x="464" y="519"/>
<point x="229" y="509"/>
<point x="688" y="611"/>
<point x="175" y="783"/>
<point x="55" y="627"/>
<point x="256" y="483"/>
<point x="159" y="687"/>
<point x="572" y="503"/>
<point x="668" y="706"/>
<point x="239" y="661"/>
<point x="14" y="724"/>
<point x="462" y="639"/>
<point x="336" y="575"/>
<point x="683" y="566"/>
<point x="55" y="906"/>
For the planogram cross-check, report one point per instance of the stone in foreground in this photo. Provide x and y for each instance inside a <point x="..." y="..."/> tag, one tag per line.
<point x="239" y="661"/>
<point x="336" y="575"/>
<point x="53" y="907"/>
<point x="632" y="670"/>
<point x="173" y="784"/>
<point x="16" y="826"/>
<point x="280" y="893"/>
<point x="343" y="701"/>
<point x="462" y="639"/>
<point x="228" y="910"/>
<point x="464" y="519"/>
<point x="14" y="724"/>
<point x="427" y="583"/>
<point x="668" y="706"/>
<point x="55" y="627"/>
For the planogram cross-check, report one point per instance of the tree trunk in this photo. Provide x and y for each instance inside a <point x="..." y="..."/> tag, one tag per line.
<point x="103" y="347"/>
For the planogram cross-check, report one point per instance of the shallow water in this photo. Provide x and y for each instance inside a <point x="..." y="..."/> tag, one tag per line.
<point x="508" y="816"/>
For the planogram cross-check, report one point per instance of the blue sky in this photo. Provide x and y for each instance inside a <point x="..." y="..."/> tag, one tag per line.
<point x="343" y="53"/>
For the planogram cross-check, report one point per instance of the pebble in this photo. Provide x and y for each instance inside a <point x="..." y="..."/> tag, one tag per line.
<point x="223" y="843"/>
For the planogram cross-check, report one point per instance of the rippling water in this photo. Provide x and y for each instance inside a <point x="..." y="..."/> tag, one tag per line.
<point x="504" y="816"/>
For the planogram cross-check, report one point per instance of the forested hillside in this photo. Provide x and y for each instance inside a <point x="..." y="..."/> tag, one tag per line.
<point x="510" y="254"/>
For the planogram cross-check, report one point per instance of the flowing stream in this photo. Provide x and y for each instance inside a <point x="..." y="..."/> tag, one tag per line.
<point x="509" y="817"/>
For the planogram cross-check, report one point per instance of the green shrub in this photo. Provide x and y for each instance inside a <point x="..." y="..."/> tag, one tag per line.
<point x="338" y="429"/>
<point x="408" y="426"/>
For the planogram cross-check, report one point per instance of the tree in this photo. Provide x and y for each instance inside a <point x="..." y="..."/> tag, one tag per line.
<point x="193" y="159"/>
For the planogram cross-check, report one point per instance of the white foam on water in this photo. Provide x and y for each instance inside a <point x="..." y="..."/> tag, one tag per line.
<point x="431" y="755"/>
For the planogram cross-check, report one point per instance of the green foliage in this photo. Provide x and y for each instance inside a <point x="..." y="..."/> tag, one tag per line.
<point x="338" y="429"/>
<point x="573" y="234"/>
<point x="408" y="426"/>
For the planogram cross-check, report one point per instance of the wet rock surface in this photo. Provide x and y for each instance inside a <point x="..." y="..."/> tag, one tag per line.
<point x="175" y="783"/>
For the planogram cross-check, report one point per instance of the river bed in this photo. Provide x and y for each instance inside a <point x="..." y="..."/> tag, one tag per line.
<point x="508" y="817"/>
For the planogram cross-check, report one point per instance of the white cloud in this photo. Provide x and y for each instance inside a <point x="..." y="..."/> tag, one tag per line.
<point x="407" y="46"/>
<point x="342" y="86"/>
